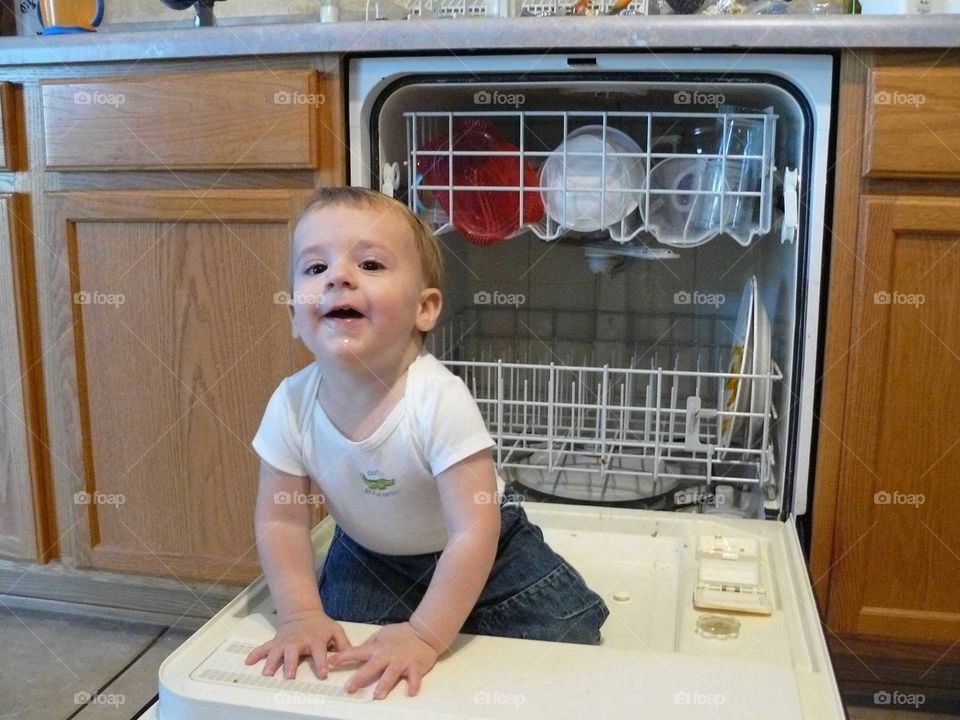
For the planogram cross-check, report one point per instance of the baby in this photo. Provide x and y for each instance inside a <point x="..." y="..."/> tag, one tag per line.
<point x="399" y="450"/>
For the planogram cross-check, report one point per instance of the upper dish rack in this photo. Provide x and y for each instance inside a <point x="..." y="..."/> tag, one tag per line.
<point x="596" y="419"/>
<point x="681" y="177"/>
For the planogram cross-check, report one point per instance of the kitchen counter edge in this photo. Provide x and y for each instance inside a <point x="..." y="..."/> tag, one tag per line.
<point x="728" y="33"/>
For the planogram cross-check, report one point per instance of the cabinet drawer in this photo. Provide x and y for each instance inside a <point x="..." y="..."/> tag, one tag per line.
<point x="7" y="127"/>
<point x="243" y="119"/>
<point x="911" y="123"/>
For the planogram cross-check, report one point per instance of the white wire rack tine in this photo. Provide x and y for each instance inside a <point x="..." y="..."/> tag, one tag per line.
<point x="673" y="408"/>
<point x="551" y="429"/>
<point x="522" y="160"/>
<point x="767" y="403"/>
<point x="657" y="444"/>
<point x="411" y="127"/>
<point x="499" y="411"/>
<point x="724" y="149"/>
<point x="603" y="171"/>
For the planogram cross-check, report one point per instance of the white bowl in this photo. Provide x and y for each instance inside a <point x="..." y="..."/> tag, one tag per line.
<point x="592" y="198"/>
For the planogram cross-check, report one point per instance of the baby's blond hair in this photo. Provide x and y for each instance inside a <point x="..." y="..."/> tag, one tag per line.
<point x="428" y="247"/>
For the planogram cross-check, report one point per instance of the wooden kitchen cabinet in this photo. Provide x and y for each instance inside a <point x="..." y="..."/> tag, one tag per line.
<point x="897" y="492"/>
<point x="24" y="524"/>
<point x="172" y="340"/>
<point x="236" y="119"/>
<point x="161" y="224"/>
<point x="885" y="555"/>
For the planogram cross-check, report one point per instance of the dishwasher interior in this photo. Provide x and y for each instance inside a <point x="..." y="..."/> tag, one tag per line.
<point x="624" y="276"/>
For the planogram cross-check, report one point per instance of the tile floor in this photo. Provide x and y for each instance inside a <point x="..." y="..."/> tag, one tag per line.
<point x="52" y="664"/>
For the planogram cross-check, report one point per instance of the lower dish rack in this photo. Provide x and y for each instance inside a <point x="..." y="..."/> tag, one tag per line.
<point x="611" y="421"/>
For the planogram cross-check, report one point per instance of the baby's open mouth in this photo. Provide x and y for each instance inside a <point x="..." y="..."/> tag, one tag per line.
<point x="344" y="312"/>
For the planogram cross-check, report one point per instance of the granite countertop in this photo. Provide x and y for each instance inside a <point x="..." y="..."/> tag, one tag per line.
<point x="770" y="32"/>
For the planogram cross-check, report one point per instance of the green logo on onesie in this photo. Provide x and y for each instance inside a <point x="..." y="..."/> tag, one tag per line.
<point x="376" y="484"/>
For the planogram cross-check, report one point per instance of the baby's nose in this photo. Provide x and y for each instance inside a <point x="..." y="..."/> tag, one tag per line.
<point x="340" y="275"/>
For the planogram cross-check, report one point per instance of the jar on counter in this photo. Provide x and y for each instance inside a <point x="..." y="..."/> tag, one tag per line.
<point x="329" y="11"/>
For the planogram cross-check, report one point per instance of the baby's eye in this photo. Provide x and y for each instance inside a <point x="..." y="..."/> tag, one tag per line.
<point x="315" y="268"/>
<point x="371" y="265"/>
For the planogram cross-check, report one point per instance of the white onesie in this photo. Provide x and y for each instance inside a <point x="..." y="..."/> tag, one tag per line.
<point x="381" y="490"/>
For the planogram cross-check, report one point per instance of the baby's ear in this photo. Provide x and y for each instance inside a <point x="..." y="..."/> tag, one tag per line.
<point x="431" y="303"/>
<point x="293" y="327"/>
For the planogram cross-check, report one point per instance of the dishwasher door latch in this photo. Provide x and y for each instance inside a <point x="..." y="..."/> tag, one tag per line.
<point x="728" y="575"/>
<point x="390" y="179"/>
<point x="791" y="206"/>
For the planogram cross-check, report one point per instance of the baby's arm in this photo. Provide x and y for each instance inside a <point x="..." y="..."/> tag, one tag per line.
<point x="468" y="492"/>
<point x="286" y="554"/>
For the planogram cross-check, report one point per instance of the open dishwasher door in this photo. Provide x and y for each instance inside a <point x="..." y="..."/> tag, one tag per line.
<point x="661" y="657"/>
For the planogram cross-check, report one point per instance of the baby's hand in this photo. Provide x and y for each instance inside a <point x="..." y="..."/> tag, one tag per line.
<point x="306" y="635"/>
<point x="394" y="650"/>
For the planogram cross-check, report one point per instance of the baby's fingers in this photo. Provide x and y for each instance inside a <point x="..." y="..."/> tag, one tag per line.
<point x="274" y="660"/>
<point x="257" y="654"/>
<point x="340" y="641"/>
<point x="291" y="659"/>
<point x="366" y="674"/>
<point x="319" y="660"/>
<point x="414" y="676"/>
<point x="360" y="653"/>
<point x="388" y="680"/>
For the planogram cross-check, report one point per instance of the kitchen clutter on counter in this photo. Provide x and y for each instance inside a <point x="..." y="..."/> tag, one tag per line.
<point x="424" y="9"/>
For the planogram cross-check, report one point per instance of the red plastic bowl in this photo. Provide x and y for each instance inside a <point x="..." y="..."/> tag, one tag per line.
<point x="483" y="216"/>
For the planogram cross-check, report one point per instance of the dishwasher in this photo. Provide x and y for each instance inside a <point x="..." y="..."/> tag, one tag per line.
<point x="633" y="247"/>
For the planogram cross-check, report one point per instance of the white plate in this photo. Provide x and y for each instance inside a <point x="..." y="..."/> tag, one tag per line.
<point x="734" y="395"/>
<point x="761" y="363"/>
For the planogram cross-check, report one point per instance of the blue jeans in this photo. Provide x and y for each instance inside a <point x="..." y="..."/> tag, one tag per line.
<point x="531" y="593"/>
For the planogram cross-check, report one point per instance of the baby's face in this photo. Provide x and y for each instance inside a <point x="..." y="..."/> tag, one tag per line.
<point x="358" y="287"/>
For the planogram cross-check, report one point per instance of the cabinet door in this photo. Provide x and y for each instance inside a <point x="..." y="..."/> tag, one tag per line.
<point x="897" y="551"/>
<point x="911" y="125"/>
<point x="22" y="507"/>
<point x="168" y="303"/>
<point x="7" y="128"/>
<point x="253" y="119"/>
